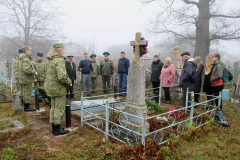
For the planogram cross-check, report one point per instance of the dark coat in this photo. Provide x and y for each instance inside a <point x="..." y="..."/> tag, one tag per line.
<point x="123" y="65"/>
<point x="71" y="70"/>
<point x="86" y="66"/>
<point x="188" y="71"/>
<point x="156" y="71"/>
<point x="198" y="79"/>
<point x="207" y="87"/>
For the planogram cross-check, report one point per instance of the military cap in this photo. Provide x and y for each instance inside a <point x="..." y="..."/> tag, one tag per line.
<point x="39" y="54"/>
<point x="185" y="54"/>
<point x="58" y="45"/>
<point x="70" y="57"/>
<point x="93" y="56"/>
<point x="106" y="53"/>
<point x="20" y="50"/>
<point x="26" y="48"/>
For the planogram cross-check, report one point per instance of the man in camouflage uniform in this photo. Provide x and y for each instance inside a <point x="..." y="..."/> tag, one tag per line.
<point x="25" y="77"/>
<point x="94" y="75"/>
<point x="40" y="68"/>
<point x="106" y="71"/>
<point x="57" y="81"/>
<point x="15" y="71"/>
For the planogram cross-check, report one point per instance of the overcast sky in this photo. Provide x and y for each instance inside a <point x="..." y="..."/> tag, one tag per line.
<point x="113" y="22"/>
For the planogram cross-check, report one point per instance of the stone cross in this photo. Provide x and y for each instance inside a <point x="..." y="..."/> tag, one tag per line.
<point x="137" y="44"/>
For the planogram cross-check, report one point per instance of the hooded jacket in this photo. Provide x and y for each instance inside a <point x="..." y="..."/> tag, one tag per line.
<point x="40" y="68"/>
<point x="156" y="71"/>
<point x="57" y="79"/>
<point x="188" y="71"/>
<point x="25" y="71"/>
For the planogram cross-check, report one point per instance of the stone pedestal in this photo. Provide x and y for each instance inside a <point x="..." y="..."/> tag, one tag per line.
<point x="15" y="102"/>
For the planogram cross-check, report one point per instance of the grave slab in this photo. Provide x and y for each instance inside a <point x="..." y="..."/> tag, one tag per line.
<point x="18" y="126"/>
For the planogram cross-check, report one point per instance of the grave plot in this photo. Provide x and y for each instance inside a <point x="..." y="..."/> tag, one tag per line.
<point x="10" y="125"/>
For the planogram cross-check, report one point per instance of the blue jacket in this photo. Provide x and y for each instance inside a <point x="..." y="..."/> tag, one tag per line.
<point x="123" y="65"/>
<point x="188" y="71"/>
<point x="86" y="66"/>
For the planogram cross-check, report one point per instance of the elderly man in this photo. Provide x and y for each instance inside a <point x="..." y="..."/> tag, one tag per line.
<point x="25" y="76"/>
<point x="40" y="68"/>
<point x="57" y="81"/>
<point x="16" y="70"/>
<point x="85" y="67"/>
<point x="71" y="71"/>
<point x="187" y="75"/>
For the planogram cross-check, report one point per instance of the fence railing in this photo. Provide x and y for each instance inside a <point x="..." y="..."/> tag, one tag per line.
<point x="114" y="121"/>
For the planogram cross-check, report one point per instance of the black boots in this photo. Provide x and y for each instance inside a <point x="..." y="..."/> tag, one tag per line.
<point x="56" y="130"/>
<point x="22" y="102"/>
<point x="27" y="108"/>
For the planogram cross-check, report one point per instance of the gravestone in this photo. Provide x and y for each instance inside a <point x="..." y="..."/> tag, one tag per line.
<point x="177" y="62"/>
<point x="135" y="102"/>
<point x="15" y="102"/>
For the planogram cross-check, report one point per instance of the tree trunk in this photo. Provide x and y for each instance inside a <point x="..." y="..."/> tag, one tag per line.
<point x="202" y="30"/>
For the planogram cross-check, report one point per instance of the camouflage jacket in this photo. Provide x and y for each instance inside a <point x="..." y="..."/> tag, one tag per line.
<point x="40" y="68"/>
<point x="106" y="68"/>
<point x="57" y="79"/>
<point x="95" y="68"/>
<point x="25" y="70"/>
<point x="16" y="68"/>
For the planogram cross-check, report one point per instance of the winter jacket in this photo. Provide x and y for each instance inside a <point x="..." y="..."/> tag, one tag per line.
<point x="167" y="76"/>
<point x="217" y="74"/>
<point x="156" y="71"/>
<point x="25" y="71"/>
<point x="71" y="70"/>
<point x="198" y="79"/>
<point x="188" y="71"/>
<point x="123" y="65"/>
<point x="106" y="68"/>
<point x="40" y="68"/>
<point x="16" y="68"/>
<point x="57" y="79"/>
<point x="86" y="66"/>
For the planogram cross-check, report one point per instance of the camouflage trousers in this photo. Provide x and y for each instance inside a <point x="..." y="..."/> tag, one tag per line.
<point x="26" y="90"/>
<point x="20" y="91"/>
<point x="93" y="83"/>
<point x="106" y="83"/>
<point x="57" y="109"/>
<point x="37" y="85"/>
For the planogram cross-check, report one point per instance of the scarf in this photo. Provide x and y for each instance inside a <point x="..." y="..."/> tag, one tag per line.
<point x="166" y="65"/>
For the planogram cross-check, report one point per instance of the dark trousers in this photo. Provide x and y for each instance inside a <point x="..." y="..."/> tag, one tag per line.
<point x="70" y="89"/>
<point x="216" y="90"/>
<point x="167" y="93"/>
<point x="196" y="97"/>
<point x="184" y="97"/>
<point x="156" y="91"/>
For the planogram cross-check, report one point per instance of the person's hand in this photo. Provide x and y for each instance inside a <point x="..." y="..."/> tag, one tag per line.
<point x="100" y="75"/>
<point x="111" y="76"/>
<point x="93" y="71"/>
<point x="127" y="76"/>
<point x="35" y="80"/>
<point x="45" y="80"/>
<point x="80" y="69"/>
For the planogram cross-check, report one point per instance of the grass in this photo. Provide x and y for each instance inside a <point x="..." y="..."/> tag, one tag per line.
<point x="5" y="125"/>
<point x="86" y="143"/>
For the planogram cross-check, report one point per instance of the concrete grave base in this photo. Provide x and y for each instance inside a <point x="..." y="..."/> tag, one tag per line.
<point x="18" y="126"/>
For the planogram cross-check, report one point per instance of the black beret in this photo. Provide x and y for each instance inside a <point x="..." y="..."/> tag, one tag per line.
<point x="39" y="54"/>
<point x="185" y="54"/>
<point x="20" y="50"/>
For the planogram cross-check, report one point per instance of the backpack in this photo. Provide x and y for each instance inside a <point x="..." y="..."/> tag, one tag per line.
<point x="219" y="117"/>
<point x="227" y="75"/>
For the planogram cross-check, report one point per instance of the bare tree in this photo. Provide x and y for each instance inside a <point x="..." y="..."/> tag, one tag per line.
<point x="201" y="22"/>
<point x="30" y="20"/>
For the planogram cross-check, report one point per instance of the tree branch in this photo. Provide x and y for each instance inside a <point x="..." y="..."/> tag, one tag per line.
<point x="224" y="16"/>
<point x="191" y="2"/>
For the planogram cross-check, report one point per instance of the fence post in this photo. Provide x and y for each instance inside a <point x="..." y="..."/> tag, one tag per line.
<point x="82" y="109"/>
<point x="219" y="101"/>
<point x="107" y="119"/>
<point x="68" y="116"/>
<point x="159" y="96"/>
<point x="186" y="100"/>
<point x="37" y="101"/>
<point x="192" y="108"/>
<point x="144" y="128"/>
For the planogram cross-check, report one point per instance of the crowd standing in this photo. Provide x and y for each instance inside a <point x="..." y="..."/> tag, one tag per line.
<point x="60" y="74"/>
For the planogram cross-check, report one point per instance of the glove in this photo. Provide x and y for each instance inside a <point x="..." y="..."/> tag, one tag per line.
<point x="71" y="84"/>
<point x="36" y="73"/>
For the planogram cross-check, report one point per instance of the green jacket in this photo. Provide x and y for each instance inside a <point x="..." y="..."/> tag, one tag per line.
<point x="16" y="68"/>
<point x="57" y="79"/>
<point x="25" y="70"/>
<point x="40" y="68"/>
<point x="217" y="67"/>
<point x="106" y="68"/>
<point x="95" y="68"/>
